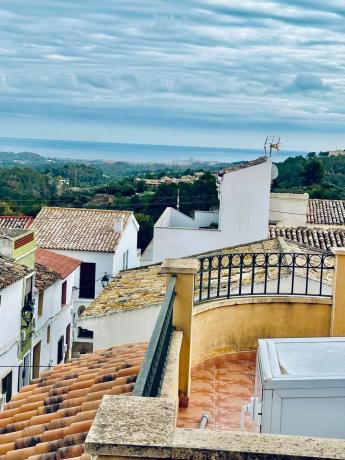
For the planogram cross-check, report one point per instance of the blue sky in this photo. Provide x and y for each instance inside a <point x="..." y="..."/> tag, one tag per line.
<point x="209" y="72"/>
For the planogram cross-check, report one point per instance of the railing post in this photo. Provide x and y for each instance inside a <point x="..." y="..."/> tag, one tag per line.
<point x="185" y="271"/>
<point x="338" y="308"/>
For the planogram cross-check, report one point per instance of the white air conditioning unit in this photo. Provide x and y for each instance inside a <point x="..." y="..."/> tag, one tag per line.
<point x="299" y="387"/>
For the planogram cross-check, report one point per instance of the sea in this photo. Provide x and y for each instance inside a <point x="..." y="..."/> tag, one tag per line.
<point x="136" y="153"/>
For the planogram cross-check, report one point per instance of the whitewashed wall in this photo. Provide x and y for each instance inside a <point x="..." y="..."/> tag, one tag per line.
<point x="289" y="209"/>
<point x="10" y="314"/>
<point x="58" y="318"/>
<point x="243" y="217"/>
<point x="121" y="327"/>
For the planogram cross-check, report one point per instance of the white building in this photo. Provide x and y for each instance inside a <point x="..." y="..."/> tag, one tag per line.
<point x="243" y="216"/>
<point x="16" y="284"/>
<point x="105" y="241"/>
<point x="56" y="277"/>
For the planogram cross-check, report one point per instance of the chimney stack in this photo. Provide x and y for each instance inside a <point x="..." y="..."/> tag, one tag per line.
<point x="118" y="224"/>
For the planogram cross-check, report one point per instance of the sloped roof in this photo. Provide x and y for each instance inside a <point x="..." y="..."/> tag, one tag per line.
<point x="11" y="272"/>
<point x="61" y="264"/>
<point x="78" y="229"/>
<point x="326" y="212"/>
<point x="50" y="418"/>
<point x="144" y="286"/>
<point x="15" y="221"/>
<point x="45" y="277"/>
<point x="318" y="238"/>
<point x="243" y="165"/>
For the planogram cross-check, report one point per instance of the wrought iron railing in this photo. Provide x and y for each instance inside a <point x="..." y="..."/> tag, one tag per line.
<point x="152" y="370"/>
<point x="241" y="274"/>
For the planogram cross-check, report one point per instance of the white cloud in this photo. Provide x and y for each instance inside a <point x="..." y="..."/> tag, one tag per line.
<point x="185" y="63"/>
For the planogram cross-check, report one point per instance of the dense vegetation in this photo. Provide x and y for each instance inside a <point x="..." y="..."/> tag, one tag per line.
<point x="28" y="181"/>
<point x="319" y="175"/>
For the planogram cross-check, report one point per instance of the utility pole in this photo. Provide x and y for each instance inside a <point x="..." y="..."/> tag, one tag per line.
<point x="178" y="199"/>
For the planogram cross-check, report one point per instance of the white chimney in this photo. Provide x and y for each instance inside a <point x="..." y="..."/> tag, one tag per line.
<point x="118" y="224"/>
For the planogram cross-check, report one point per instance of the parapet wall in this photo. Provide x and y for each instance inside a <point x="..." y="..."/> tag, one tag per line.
<point x="233" y="325"/>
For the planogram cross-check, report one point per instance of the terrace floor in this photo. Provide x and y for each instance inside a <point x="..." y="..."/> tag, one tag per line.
<point x="220" y="386"/>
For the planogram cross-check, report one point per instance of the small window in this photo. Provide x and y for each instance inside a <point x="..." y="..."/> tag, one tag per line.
<point x="60" y="349"/>
<point x="48" y="334"/>
<point x="125" y="260"/>
<point x="40" y="304"/>
<point x="6" y="386"/>
<point x="63" y="293"/>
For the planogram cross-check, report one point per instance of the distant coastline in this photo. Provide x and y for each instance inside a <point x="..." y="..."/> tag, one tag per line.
<point x="137" y="153"/>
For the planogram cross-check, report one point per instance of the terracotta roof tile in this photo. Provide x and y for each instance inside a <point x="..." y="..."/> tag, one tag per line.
<point x="21" y="222"/>
<point x="11" y="272"/>
<point x="318" y="238"/>
<point x="50" y="418"/>
<point x="78" y="229"/>
<point x="61" y="264"/>
<point x="326" y="212"/>
<point x="243" y="165"/>
<point x="45" y="277"/>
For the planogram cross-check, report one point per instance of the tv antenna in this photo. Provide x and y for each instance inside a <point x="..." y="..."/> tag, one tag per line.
<point x="272" y="143"/>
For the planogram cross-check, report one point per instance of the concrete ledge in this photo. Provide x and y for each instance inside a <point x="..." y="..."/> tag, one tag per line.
<point x="144" y="427"/>
<point x="171" y="374"/>
<point x="258" y="299"/>
<point x="183" y="266"/>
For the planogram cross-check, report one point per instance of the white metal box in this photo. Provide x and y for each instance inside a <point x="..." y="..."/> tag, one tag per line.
<point x="300" y="387"/>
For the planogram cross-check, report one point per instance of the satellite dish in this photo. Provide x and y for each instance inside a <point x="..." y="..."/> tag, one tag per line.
<point x="274" y="172"/>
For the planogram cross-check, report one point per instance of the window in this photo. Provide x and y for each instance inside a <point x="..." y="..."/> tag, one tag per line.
<point x="87" y="280"/>
<point x="125" y="260"/>
<point x="48" y="334"/>
<point x="60" y="350"/>
<point x="63" y="293"/>
<point x="24" y="372"/>
<point x="84" y="333"/>
<point x="40" y="304"/>
<point x="36" y="360"/>
<point x="28" y="290"/>
<point x="6" y="386"/>
<point x="68" y="341"/>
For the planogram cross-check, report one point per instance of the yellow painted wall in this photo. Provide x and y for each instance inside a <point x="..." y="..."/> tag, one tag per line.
<point x="25" y="255"/>
<point x="235" y="325"/>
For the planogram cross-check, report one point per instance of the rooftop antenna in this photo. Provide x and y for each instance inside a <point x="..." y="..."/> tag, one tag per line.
<point x="178" y="199"/>
<point x="272" y="143"/>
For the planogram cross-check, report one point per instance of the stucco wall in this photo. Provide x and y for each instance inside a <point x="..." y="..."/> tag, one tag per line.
<point x="289" y="208"/>
<point x="58" y="318"/>
<point x="10" y="313"/>
<point x="243" y="217"/>
<point x="236" y="325"/>
<point x="121" y="327"/>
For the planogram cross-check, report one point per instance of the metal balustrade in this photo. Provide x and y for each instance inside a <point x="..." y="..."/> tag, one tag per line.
<point x="152" y="370"/>
<point x="243" y="274"/>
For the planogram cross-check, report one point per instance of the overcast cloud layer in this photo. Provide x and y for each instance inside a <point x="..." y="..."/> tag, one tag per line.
<point x="208" y="72"/>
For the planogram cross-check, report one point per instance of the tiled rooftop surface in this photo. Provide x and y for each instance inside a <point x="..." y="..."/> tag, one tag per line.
<point x="326" y="212"/>
<point x="145" y="286"/>
<point x="11" y="272"/>
<point x="50" y="419"/>
<point x="130" y="289"/>
<point x="45" y="277"/>
<point x="61" y="264"/>
<point x="21" y="222"/>
<point x="220" y="387"/>
<point x="78" y="229"/>
<point x="243" y="165"/>
<point x="316" y="237"/>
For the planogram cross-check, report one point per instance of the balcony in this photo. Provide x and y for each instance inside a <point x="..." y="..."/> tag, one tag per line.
<point x="200" y="364"/>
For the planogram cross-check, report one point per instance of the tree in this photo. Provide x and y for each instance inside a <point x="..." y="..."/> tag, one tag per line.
<point x="313" y="172"/>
